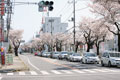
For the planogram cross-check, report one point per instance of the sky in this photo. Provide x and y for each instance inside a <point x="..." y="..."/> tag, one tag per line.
<point x="28" y="18"/>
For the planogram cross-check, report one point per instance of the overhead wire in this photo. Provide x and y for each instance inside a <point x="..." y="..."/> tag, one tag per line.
<point x="65" y="6"/>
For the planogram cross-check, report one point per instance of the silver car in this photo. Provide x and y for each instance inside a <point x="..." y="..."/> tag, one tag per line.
<point x="110" y="58"/>
<point x="63" y="55"/>
<point x="48" y="54"/>
<point x="75" y="57"/>
<point x="90" y="57"/>
<point x="55" y="55"/>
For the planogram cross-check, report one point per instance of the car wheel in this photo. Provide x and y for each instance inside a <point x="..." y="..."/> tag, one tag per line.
<point x="102" y="64"/>
<point x="82" y="61"/>
<point x="109" y="64"/>
<point x="86" y="61"/>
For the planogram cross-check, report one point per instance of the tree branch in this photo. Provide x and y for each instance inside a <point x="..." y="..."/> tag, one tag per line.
<point x="117" y="25"/>
<point x="111" y="30"/>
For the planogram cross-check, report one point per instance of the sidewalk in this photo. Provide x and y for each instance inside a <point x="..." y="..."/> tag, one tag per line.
<point x="18" y="65"/>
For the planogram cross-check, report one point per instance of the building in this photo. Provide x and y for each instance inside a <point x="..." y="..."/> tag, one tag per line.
<point x="116" y="42"/>
<point x="54" y="25"/>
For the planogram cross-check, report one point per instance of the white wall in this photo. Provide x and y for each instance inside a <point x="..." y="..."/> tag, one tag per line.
<point x="57" y="26"/>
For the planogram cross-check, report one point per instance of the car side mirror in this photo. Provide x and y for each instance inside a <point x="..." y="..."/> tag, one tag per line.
<point x="107" y="56"/>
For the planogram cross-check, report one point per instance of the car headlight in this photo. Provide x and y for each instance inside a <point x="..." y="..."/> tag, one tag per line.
<point x="97" y="59"/>
<point x="88" y="58"/>
<point x="113" y="60"/>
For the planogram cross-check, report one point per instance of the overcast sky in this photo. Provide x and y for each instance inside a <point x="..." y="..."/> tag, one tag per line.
<point x="28" y="18"/>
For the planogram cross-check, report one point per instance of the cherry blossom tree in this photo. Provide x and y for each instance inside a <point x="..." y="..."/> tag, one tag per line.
<point x="60" y="40"/>
<point x="109" y="11"/>
<point x="101" y="33"/>
<point x="37" y="44"/>
<point x="86" y="26"/>
<point x="94" y="32"/>
<point x="15" y="37"/>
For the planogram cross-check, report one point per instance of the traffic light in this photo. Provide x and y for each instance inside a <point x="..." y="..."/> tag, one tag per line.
<point x="41" y="7"/>
<point x="50" y="7"/>
<point x="43" y="4"/>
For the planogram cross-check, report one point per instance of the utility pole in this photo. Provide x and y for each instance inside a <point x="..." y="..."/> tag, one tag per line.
<point x="9" y="12"/>
<point x="74" y="22"/>
<point x="51" y="21"/>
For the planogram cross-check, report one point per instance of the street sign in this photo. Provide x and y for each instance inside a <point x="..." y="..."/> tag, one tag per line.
<point x="2" y="7"/>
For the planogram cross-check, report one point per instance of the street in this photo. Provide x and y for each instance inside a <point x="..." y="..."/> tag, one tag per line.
<point x="51" y="69"/>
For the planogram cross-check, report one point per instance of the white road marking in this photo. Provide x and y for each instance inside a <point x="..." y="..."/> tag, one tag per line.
<point x="9" y="74"/>
<point x="0" y="78"/>
<point x="21" y="73"/>
<point x="78" y="71"/>
<point x="91" y="71"/>
<point x="32" y="64"/>
<point x="100" y="70"/>
<point x="33" y="73"/>
<point x="44" y="72"/>
<point x="56" y="72"/>
<point x="66" y="71"/>
<point x="111" y="70"/>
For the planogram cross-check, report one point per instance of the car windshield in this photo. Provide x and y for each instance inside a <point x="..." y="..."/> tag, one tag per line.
<point x="115" y="54"/>
<point x="64" y="53"/>
<point x="56" y="52"/>
<point x="70" y="53"/>
<point x="91" y="54"/>
<point x="76" y="54"/>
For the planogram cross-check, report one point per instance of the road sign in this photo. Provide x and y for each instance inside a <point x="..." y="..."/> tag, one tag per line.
<point x="2" y="7"/>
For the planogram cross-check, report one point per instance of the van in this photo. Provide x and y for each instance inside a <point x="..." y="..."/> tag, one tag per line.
<point x="110" y="58"/>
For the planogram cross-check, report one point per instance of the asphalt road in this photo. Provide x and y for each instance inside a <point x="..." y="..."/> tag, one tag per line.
<point x="52" y="69"/>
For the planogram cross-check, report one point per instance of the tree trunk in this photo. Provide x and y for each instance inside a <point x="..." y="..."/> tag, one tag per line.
<point x="76" y="48"/>
<point x="88" y="48"/>
<point x="119" y="42"/>
<point x="61" y="46"/>
<point x="16" y="51"/>
<point x="97" y="50"/>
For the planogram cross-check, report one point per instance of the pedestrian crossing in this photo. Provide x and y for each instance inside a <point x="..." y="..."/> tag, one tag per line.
<point x="60" y="72"/>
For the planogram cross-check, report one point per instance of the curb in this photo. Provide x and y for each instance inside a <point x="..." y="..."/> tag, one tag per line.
<point x="25" y="68"/>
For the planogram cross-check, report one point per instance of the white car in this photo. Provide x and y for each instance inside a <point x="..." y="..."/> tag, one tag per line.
<point x="110" y="58"/>
<point x="90" y="57"/>
<point x="48" y="54"/>
<point x="75" y="57"/>
<point x="55" y="55"/>
<point x="63" y="55"/>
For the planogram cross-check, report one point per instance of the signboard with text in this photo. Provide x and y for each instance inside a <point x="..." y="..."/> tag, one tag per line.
<point x="2" y="7"/>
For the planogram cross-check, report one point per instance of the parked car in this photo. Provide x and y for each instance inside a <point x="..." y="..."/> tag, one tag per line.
<point x="69" y="55"/>
<point x="48" y="54"/>
<point x="55" y="55"/>
<point x="75" y="57"/>
<point x="90" y="57"/>
<point x="63" y="55"/>
<point x="44" y="54"/>
<point x="36" y="53"/>
<point x="110" y="58"/>
<point x="39" y="54"/>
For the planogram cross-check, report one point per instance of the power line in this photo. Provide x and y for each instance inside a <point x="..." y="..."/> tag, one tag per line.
<point x="68" y="17"/>
<point x="65" y="6"/>
<point x="82" y="8"/>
